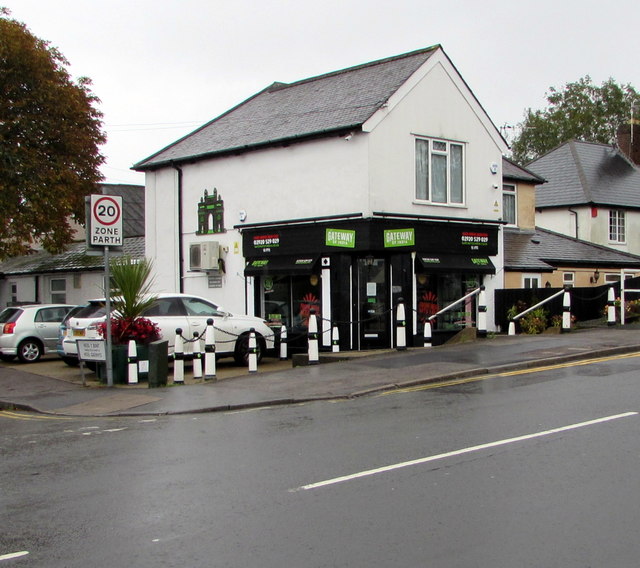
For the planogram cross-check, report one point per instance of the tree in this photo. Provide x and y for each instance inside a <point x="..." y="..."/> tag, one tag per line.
<point x="50" y="133"/>
<point x="580" y="110"/>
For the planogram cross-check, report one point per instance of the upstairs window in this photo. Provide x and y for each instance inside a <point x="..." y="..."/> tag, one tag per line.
<point x="509" y="204"/>
<point x="439" y="171"/>
<point x="616" y="226"/>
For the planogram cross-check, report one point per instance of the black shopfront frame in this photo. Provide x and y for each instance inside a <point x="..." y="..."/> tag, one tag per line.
<point x="341" y="245"/>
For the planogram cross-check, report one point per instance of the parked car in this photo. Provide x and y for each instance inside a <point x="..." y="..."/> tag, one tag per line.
<point x="63" y="329"/>
<point x="189" y="313"/>
<point x="29" y="332"/>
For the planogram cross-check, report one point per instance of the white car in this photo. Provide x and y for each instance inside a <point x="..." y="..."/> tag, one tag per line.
<point x="183" y="311"/>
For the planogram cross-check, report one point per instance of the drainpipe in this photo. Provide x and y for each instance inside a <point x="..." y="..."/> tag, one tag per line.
<point x="576" y="214"/>
<point x="180" y="237"/>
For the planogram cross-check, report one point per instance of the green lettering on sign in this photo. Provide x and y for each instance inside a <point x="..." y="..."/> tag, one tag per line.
<point x="399" y="238"/>
<point x="343" y="238"/>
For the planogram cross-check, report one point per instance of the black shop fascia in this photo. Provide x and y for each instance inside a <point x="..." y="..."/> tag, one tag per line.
<point x="354" y="271"/>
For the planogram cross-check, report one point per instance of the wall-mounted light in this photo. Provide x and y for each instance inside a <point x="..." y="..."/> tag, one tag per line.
<point x="595" y="277"/>
<point x="493" y="168"/>
<point x="243" y="216"/>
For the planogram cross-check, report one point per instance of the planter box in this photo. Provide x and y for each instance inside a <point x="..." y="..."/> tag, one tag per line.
<point x="120" y="362"/>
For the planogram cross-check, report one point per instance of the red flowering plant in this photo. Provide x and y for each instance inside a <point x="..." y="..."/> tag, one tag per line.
<point x="130" y="289"/>
<point x="141" y="330"/>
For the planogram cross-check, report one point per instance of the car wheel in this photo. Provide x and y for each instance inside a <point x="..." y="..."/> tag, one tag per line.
<point x="7" y="358"/>
<point x="241" y="352"/>
<point x="29" y="350"/>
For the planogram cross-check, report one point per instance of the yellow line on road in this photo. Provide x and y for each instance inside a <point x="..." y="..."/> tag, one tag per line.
<point x="30" y="416"/>
<point x="511" y="373"/>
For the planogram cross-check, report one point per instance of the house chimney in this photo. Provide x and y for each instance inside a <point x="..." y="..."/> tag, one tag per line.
<point x="629" y="140"/>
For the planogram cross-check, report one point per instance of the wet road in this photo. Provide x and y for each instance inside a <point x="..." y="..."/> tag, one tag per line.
<point x="525" y="469"/>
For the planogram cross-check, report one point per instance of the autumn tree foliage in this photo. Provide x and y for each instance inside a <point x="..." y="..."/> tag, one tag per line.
<point x="50" y="134"/>
<point x="581" y="111"/>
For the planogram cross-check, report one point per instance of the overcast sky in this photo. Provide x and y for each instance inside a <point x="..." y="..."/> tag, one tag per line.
<point x="161" y="68"/>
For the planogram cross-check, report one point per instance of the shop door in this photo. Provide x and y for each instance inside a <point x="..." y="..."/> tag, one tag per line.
<point x="373" y="303"/>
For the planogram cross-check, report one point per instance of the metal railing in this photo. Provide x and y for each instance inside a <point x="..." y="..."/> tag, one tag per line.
<point x="566" y="311"/>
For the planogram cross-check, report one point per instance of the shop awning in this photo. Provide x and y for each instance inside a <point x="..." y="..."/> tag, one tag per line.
<point x="456" y="263"/>
<point x="282" y="265"/>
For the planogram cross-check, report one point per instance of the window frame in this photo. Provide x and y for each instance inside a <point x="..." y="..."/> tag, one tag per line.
<point x="514" y="194"/>
<point x="531" y="277"/>
<point x="569" y="279"/>
<point x="617" y="226"/>
<point x="54" y="294"/>
<point x="424" y="173"/>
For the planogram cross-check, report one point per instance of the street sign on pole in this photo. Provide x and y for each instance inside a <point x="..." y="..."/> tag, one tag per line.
<point x="105" y="230"/>
<point x="105" y="227"/>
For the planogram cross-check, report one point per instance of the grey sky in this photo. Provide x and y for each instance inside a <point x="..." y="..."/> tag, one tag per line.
<point x="162" y="68"/>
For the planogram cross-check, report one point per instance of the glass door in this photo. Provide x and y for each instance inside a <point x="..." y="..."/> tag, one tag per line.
<point x="373" y="302"/>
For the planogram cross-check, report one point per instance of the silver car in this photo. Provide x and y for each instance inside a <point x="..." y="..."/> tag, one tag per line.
<point x="29" y="332"/>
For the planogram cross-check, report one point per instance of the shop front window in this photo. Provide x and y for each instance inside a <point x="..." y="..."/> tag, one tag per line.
<point x="290" y="299"/>
<point x="436" y="291"/>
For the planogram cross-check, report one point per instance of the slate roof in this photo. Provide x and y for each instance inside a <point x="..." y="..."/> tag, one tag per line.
<point x="542" y="250"/>
<point x="513" y="172"/>
<point x="132" y="206"/>
<point x="586" y="173"/>
<point x="73" y="260"/>
<point x="333" y="102"/>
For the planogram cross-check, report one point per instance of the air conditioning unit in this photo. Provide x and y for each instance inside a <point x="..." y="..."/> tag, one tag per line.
<point x="204" y="256"/>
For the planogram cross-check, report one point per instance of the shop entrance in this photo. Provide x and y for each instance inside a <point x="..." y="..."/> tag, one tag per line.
<point x="373" y="303"/>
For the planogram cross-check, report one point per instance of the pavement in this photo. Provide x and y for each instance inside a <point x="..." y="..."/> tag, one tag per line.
<point x="51" y="387"/>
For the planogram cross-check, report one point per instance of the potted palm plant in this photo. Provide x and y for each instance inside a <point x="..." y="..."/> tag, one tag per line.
<point x="130" y="290"/>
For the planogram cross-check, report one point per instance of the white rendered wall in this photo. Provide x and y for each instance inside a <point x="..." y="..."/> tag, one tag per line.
<point x="310" y="179"/>
<point x="438" y="105"/>
<point x="590" y="228"/>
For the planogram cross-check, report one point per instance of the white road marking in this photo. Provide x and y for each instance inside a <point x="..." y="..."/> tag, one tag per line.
<point x="13" y="555"/>
<point x="462" y="451"/>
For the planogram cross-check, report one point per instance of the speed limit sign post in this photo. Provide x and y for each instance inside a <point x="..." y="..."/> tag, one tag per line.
<point x="106" y="221"/>
<point x="105" y="230"/>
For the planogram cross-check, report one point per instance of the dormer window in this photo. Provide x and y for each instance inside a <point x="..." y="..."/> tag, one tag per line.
<point x="439" y="171"/>
<point x="509" y="204"/>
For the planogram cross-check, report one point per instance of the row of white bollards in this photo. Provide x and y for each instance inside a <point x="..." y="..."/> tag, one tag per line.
<point x="209" y="371"/>
<point x="209" y="355"/>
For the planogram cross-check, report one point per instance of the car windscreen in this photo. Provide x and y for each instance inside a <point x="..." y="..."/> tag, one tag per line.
<point x="92" y="310"/>
<point x="9" y="315"/>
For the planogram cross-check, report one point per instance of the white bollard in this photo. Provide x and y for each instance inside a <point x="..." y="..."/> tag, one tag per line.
<point x="210" y="352"/>
<point x="512" y="327"/>
<point x="566" y="311"/>
<point x="401" y="327"/>
<point x="178" y="358"/>
<point x="197" y="356"/>
<point x="132" y="359"/>
<point x="253" y="351"/>
<point x="427" y="334"/>
<point x="611" y="307"/>
<point x="283" y="343"/>
<point x="314" y="356"/>
<point x="335" y="340"/>
<point x="481" y="330"/>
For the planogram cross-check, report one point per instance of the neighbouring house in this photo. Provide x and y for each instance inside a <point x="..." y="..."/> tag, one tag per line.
<point x="536" y="257"/>
<point x="592" y="191"/>
<point x="73" y="276"/>
<point x="342" y="193"/>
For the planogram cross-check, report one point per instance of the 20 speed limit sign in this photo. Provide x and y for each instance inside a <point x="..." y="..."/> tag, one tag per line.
<point x="106" y="220"/>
